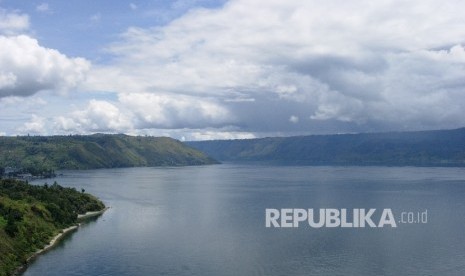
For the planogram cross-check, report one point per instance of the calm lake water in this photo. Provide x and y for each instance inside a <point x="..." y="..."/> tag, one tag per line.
<point x="210" y="220"/>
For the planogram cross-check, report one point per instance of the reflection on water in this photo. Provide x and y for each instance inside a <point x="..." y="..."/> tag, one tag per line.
<point x="211" y="221"/>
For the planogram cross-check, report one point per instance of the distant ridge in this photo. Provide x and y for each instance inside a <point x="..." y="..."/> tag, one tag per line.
<point x="96" y="151"/>
<point x="415" y="148"/>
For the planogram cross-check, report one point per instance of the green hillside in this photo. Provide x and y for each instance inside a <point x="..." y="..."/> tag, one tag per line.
<point x="31" y="215"/>
<point x="40" y="153"/>
<point x="420" y="148"/>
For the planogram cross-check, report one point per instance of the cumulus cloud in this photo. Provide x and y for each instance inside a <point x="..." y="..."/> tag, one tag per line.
<point x="284" y="67"/>
<point x="13" y="22"/>
<point x="98" y="116"/>
<point x="36" y="125"/>
<point x="356" y="64"/>
<point x="16" y="111"/>
<point x="174" y="111"/>
<point x="27" y="68"/>
<point x="148" y="114"/>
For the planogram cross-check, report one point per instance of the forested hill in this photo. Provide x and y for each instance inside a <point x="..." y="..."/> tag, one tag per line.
<point x="30" y="215"/>
<point x="421" y="148"/>
<point x="96" y="151"/>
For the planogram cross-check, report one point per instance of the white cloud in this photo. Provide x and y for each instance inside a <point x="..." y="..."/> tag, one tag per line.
<point x="98" y="116"/>
<point x="143" y="113"/>
<point x="7" y="80"/>
<point x="36" y="125"/>
<point x="29" y="103"/>
<point x="175" y="111"/>
<point x="26" y="68"/>
<point x="294" y="119"/>
<point x="16" y="111"/>
<point x="44" y="7"/>
<point x="13" y="22"/>
<point x="219" y="135"/>
<point x="357" y="63"/>
<point x="339" y="66"/>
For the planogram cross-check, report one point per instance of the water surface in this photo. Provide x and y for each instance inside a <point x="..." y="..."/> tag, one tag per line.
<point x="210" y="220"/>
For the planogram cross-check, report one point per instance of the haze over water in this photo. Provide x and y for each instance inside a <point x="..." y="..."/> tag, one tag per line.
<point x="210" y="220"/>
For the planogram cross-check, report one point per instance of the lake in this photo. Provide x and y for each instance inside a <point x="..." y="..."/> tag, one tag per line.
<point x="210" y="220"/>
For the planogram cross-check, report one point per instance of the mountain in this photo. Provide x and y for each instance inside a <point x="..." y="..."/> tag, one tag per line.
<point x="419" y="148"/>
<point x="41" y="153"/>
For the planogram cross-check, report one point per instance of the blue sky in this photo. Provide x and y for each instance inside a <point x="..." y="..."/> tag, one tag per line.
<point x="84" y="28"/>
<point x="194" y="69"/>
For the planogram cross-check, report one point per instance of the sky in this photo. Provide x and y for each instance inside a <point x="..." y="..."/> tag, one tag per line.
<point x="206" y="69"/>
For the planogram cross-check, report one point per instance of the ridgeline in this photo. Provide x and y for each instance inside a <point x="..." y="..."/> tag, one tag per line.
<point x="40" y="154"/>
<point x="419" y="148"/>
<point x="31" y="215"/>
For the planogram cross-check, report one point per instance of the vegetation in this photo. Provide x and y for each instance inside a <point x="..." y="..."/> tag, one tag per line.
<point x="31" y="215"/>
<point x="422" y="148"/>
<point x="42" y="154"/>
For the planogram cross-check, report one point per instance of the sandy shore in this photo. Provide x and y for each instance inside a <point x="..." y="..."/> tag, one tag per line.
<point x="54" y="241"/>
<point x="56" y="238"/>
<point x="51" y="244"/>
<point x="91" y="214"/>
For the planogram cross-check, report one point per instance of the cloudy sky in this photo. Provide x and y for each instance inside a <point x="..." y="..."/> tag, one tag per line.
<point x="204" y="69"/>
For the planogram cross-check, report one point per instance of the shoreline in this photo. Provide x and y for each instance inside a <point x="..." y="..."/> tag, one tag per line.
<point x="87" y="215"/>
<point x="54" y="241"/>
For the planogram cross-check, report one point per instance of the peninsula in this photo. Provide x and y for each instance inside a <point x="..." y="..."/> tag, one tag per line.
<point x="33" y="218"/>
